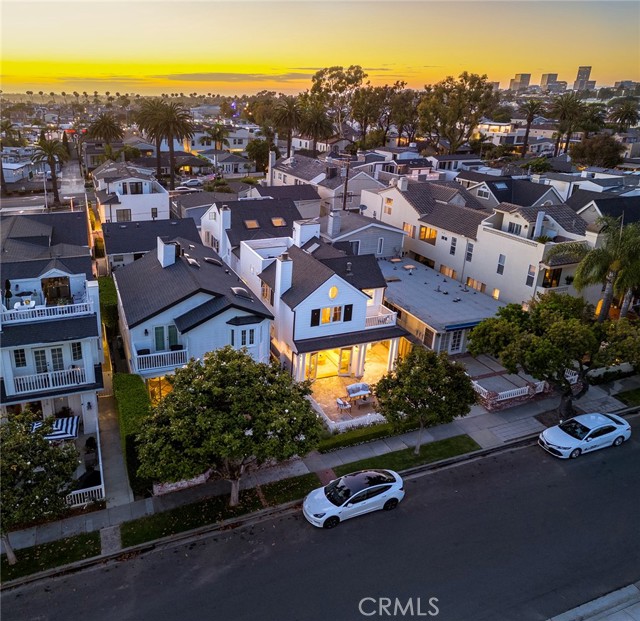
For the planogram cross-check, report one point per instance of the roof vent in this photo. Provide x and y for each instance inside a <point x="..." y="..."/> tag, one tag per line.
<point x="241" y="292"/>
<point x="123" y="226"/>
<point x="192" y="247"/>
<point x="192" y="262"/>
<point x="213" y="261"/>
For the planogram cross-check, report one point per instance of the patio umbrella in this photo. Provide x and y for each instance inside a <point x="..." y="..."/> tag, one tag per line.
<point x="63" y="428"/>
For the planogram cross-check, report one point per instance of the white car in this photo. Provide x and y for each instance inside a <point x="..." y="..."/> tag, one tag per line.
<point x="182" y="189"/>
<point x="584" y="433"/>
<point x="351" y="495"/>
<point x="192" y="183"/>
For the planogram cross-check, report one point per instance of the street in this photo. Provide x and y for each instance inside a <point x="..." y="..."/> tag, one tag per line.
<point x="514" y="537"/>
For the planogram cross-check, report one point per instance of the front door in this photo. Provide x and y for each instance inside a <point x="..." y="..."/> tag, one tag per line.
<point x="312" y="367"/>
<point x="344" y="365"/>
<point x="48" y="360"/>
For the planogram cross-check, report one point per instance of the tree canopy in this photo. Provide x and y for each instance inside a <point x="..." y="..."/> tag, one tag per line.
<point x="52" y="152"/>
<point x="425" y="388"/>
<point x="224" y="414"/>
<point x="599" y="150"/>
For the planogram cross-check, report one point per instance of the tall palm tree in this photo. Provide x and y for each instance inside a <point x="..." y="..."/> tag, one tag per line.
<point x="287" y="116"/>
<point x="316" y="123"/>
<point x="51" y="152"/>
<point x="611" y="263"/>
<point x="628" y="281"/>
<point x="105" y="127"/>
<point x="530" y="109"/>
<point x="147" y="119"/>
<point x="174" y="123"/>
<point x="567" y="110"/>
<point x="217" y="134"/>
<point x="593" y="119"/>
<point x="625" y="114"/>
<point x="8" y="134"/>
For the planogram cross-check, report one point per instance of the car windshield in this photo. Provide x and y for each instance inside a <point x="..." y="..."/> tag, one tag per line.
<point x="574" y="429"/>
<point x="337" y="492"/>
<point x="340" y="490"/>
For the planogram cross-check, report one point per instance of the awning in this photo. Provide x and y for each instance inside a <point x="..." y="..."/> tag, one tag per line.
<point x="63" y="428"/>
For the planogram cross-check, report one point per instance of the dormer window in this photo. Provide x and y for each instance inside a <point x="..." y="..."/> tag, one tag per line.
<point x="251" y="224"/>
<point x="278" y="221"/>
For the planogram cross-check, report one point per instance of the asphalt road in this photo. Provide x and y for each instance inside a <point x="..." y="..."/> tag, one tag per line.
<point x="515" y="537"/>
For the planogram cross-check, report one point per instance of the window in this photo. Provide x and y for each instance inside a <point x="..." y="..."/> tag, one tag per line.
<point x="551" y="278"/>
<point x="331" y="314"/>
<point x="159" y="338"/>
<point x="123" y="215"/>
<point x="514" y="228"/>
<point x="233" y="338"/>
<point x="278" y="221"/>
<point x="388" y="204"/>
<point x="212" y="215"/>
<point x="216" y="244"/>
<point x="409" y="229"/>
<point x="267" y="293"/>
<point x="40" y="357"/>
<point x="135" y="187"/>
<point x="57" y="361"/>
<point x="448" y="271"/>
<point x="429" y="336"/>
<point x="315" y="317"/>
<point x="496" y="294"/>
<point x="452" y="249"/>
<point x="476" y="284"/>
<point x="469" y="253"/>
<point x="355" y="247"/>
<point x="428" y="235"/>
<point x="118" y="258"/>
<point x="172" y="333"/>
<point x="501" y="260"/>
<point x="76" y="351"/>
<point x="456" y="341"/>
<point x="333" y="292"/>
<point x="531" y="274"/>
<point x="154" y="212"/>
<point x="248" y="337"/>
<point x="380" y="248"/>
<point x="251" y="224"/>
<point x="19" y="358"/>
<point x="348" y="312"/>
<point x="482" y="193"/>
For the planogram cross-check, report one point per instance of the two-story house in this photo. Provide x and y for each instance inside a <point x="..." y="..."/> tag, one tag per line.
<point x="304" y="197"/>
<point x="180" y="302"/>
<point x="125" y="193"/>
<point x="492" y="191"/>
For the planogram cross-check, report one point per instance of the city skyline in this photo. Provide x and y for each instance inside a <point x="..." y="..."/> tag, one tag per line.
<point x="246" y="47"/>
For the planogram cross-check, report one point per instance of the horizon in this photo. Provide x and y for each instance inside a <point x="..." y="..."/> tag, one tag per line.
<point x="268" y="45"/>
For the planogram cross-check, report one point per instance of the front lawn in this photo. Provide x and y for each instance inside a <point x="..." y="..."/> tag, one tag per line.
<point x="50" y="555"/>
<point x="402" y="460"/>
<point x="296" y="488"/>
<point x="629" y="397"/>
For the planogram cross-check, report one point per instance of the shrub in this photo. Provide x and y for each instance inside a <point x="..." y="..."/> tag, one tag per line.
<point x="133" y="405"/>
<point x="361" y="435"/>
<point x="108" y="302"/>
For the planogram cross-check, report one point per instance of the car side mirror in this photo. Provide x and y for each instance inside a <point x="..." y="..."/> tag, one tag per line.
<point x="589" y="439"/>
<point x="349" y="504"/>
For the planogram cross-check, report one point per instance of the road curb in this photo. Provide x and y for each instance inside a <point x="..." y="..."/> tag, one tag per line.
<point x="602" y="607"/>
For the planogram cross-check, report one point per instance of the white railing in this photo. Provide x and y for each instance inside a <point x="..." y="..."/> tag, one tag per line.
<point x="571" y="376"/>
<point x="160" y="360"/>
<point x="384" y="317"/>
<point x="47" y="381"/>
<point x="85" y="496"/>
<point x="543" y="290"/>
<point x="483" y="392"/>
<point x="45" y="312"/>
<point x="513" y="393"/>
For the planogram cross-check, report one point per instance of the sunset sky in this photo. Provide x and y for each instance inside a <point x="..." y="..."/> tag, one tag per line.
<point x="151" y="47"/>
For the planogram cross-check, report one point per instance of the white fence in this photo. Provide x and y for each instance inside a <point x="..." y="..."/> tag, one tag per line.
<point x="45" y="312"/>
<point x="46" y="381"/>
<point x="90" y="494"/>
<point x="491" y="398"/>
<point x="160" y="360"/>
<point x="365" y="420"/>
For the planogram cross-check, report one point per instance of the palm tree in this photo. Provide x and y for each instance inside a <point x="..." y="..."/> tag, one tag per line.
<point x="316" y="123"/>
<point x="625" y="114"/>
<point x="628" y="280"/>
<point x="105" y="127"/>
<point x="567" y="109"/>
<point x="593" y="119"/>
<point x="288" y="116"/>
<point x="611" y="263"/>
<point x="147" y="120"/>
<point x="51" y="152"/>
<point x="216" y="134"/>
<point x="530" y="109"/>
<point x="174" y="123"/>
<point x="8" y="134"/>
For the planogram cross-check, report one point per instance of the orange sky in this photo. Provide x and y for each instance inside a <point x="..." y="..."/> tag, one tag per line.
<point x="150" y="47"/>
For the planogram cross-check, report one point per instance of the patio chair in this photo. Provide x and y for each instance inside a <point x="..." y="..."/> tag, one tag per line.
<point x="343" y="404"/>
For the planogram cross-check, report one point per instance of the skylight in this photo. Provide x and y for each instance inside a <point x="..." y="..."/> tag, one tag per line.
<point x="278" y="221"/>
<point x="501" y="185"/>
<point x="251" y="224"/>
<point x="241" y="292"/>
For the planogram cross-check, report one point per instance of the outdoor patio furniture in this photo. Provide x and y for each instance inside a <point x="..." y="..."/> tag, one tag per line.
<point x="63" y="428"/>
<point x="343" y="404"/>
<point x="358" y="390"/>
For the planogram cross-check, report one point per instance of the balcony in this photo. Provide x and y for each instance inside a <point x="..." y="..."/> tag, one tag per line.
<point x="160" y="360"/>
<point x="380" y="316"/>
<point x="25" y="314"/>
<point x="543" y="290"/>
<point x="49" y="381"/>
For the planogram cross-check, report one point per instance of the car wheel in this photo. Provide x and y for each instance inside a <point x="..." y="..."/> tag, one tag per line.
<point x="331" y="522"/>
<point x="618" y="441"/>
<point x="391" y="504"/>
<point x="575" y="453"/>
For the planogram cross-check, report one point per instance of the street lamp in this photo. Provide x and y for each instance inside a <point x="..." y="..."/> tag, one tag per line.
<point x="69" y="198"/>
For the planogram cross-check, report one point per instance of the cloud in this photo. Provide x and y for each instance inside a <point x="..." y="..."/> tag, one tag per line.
<point x="233" y="77"/>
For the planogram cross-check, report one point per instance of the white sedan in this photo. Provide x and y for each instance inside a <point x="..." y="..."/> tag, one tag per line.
<point x="584" y="433"/>
<point x="352" y="495"/>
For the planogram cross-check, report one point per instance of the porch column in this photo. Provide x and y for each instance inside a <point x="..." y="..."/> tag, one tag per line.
<point x="393" y="354"/>
<point x="299" y="365"/>
<point x="360" y="360"/>
<point x="87" y="359"/>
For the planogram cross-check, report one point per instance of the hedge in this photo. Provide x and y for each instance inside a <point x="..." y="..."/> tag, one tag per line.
<point x="361" y="435"/>
<point x="133" y="405"/>
<point x="108" y="301"/>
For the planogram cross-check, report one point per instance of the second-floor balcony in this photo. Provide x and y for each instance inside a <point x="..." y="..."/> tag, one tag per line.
<point x="145" y="362"/>
<point x="380" y="316"/>
<point x="49" y="381"/>
<point x="23" y="313"/>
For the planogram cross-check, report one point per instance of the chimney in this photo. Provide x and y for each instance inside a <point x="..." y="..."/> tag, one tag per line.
<point x="403" y="184"/>
<point x="333" y="223"/>
<point x="304" y="230"/>
<point x="272" y="163"/>
<point x="225" y="213"/>
<point x="331" y="172"/>
<point x="284" y="274"/>
<point x="537" y="231"/>
<point x="167" y="253"/>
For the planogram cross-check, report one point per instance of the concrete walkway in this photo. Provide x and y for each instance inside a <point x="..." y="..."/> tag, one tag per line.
<point x="489" y="430"/>
<point x="621" y="605"/>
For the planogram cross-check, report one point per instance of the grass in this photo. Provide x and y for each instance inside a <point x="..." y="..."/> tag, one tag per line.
<point x="629" y="397"/>
<point x="50" y="555"/>
<point x="279" y="492"/>
<point x="185" y="518"/>
<point x="402" y="460"/>
<point x="361" y="435"/>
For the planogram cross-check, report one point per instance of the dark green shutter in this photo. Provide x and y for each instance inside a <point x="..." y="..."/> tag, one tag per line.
<point x="348" y="312"/>
<point x="315" y="317"/>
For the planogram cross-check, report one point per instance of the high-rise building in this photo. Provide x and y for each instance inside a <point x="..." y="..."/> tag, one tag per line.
<point x="548" y="79"/>
<point x="582" y="78"/>
<point x="520" y="82"/>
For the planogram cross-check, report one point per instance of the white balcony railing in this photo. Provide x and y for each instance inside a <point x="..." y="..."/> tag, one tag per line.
<point x="49" y="381"/>
<point x="26" y="314"/>
<point x="161" y="360"/>
<point x="543" y="290"/>
<point x="381" y="316"/>
<point x="90" y="494"/>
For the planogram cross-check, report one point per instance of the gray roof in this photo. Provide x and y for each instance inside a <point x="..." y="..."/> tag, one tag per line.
<point x="350" y="338"/>
<point x="627" y="207"/>
<point x="123" y="238"/>
<point x="199" y="199"/>
<point x="361" y="271"/>
<point x="321" y="250"/>
<point x="425" y="195"/>
<point x="351" y="221"/>
<point x="517" y="191"/>
<point x="54" y="331"/>
<point x="114" y="171"/>
<point x="300" y="166"/>
<point x="147" y="289"/>
<point x="300" y="192"/>
<point x="477" y="177"/>
<point x="337" y="181"/>
<point x="581" y="198"/>
<point x="562" y="214"/>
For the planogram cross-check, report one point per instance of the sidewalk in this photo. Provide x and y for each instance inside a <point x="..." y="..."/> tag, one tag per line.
<point x="620" y="605"/>
<point x="489" y="430"/>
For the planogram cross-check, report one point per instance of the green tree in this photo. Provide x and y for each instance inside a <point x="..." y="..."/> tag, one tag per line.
<point x="147" y="119"/>
<point x="105" y="127"/>
<point x="315" y="122"/>
<point x="404" y="113"/>
<point x="51" y="152"/>
<point x="607" y="263"/>
<point x="567" y="109"/>
<point x="224" y="414"/>
<point x="599" y="150"/>
<point x="217" y="134"/>
<point x="593" y="119"/>
<point x="531" y="109"/>
<point x="8" y="138"/>
<point x="174" y="123"/>
<point x="258" y="151"/>
<point x="425" y="388"/>
<point x="366" y="107"/>
<point x="452" y="108"/>
<point x="625" y="113"/>
<point x="537" y="165"/>
<point x="621" y="344"/>
<point x="287" y="116"/>
<point x="35" y="475"/>
<point x="556" y="334"/>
